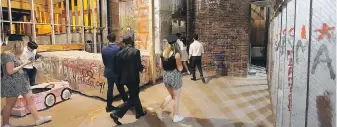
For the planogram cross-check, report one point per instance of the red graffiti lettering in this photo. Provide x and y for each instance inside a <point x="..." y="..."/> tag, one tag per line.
<point x="324" y="32"/>
<point x="290" y="78"/>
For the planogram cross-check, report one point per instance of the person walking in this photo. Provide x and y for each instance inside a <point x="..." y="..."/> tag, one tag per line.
<point x="109" y="54"/>
<point x="128" y="67"/>
<point x="184" y="55"/>
<point x="172" y="77"/>
<point x="30" y="53"/>
<point x="15" y="82"/>
<point x="195" y="55"/>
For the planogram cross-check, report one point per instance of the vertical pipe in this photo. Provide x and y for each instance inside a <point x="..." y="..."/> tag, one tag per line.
<point x="68" y="22"/>
<point x="99" y="15"/>
<point x="93" y="22"/>
<point x="1" y="26"/>
<point x="33" y="20"/>
<point x="266" y="36"/>
<point x="104" y="19"/>
<point x="10" y="16"/>
<point x="109" y="21"/>
<point x="154" y="75"/>
<point x="52" y="22"/>
<point x="81" y="21"/>
<point x="249" y="36"/>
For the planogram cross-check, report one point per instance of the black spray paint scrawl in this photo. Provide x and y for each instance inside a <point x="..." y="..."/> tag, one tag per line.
<point x="323" y="49"/>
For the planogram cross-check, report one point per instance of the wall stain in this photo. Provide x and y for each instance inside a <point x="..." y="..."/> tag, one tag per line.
<point x="324" y="110"/>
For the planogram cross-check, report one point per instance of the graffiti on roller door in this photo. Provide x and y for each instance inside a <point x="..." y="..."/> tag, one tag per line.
<point x="322" y="56"/>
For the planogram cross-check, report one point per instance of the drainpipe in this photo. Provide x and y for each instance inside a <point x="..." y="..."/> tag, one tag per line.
<point x="266" y="36"/>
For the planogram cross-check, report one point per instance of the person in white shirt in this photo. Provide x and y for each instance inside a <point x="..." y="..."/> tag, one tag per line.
<point x="29" y="53"/>
<point x="195" y="53"/>
<point x="184" y="55"/>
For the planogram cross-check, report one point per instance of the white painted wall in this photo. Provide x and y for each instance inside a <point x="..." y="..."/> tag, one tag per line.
<point x="303" y="59"/>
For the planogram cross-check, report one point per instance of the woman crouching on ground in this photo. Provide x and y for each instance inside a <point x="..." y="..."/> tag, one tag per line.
<point x="14" y="81"/>
<point x="172" y="66"/>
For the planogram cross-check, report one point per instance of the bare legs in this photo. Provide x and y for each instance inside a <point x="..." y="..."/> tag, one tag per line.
<point x="32" y="109"/>
<point x="186" y="67"/>
<point x="6" y="112"/>
<point x="31" y="105"/>
<point x="175" y="96"/>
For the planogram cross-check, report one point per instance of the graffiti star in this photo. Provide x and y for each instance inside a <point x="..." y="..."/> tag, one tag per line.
<point x="323" y="49"/>
<point x="324" y="31"/>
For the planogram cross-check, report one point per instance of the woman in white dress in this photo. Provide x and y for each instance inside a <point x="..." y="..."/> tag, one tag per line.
<point x="184" y="55"/>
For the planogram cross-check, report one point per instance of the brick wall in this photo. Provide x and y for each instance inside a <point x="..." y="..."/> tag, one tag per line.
<point x="223" y="28"/>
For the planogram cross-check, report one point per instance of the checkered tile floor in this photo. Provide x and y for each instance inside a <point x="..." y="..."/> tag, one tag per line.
<point x="223" y="102"/>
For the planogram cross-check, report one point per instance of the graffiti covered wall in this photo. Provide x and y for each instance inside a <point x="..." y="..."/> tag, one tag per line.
<point x="83" y="70"/>
<point x="303" y="63"/>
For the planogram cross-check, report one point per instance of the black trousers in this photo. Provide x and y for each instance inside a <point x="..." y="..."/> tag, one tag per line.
<point x="31" y="75"/>
<point x="120" y="88"/>
<point x="133" y="101"/>
<point x="196" y="63"/>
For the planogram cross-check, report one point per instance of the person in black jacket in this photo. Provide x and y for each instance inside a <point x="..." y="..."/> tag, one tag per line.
<point x="128" y="66"/>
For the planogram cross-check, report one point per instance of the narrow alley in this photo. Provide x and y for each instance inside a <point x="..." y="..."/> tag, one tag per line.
<point x="222" y="102"/>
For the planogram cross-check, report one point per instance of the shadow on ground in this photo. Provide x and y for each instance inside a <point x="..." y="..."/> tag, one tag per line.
<point x="151" y="120"/>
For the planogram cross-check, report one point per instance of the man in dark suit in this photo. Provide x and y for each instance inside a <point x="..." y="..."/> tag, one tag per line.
<point x="128" y="66"/>
<point x="109" y="54"/>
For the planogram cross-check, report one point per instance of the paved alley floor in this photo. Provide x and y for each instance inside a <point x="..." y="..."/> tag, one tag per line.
<point x="222" y="102"/>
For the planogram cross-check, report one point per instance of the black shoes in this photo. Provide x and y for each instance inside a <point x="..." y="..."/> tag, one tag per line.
<point x="203" y="80"/>
<point x="110" y="108"/>
<point x="114" y="117"/>
<point x="140" y="115"/>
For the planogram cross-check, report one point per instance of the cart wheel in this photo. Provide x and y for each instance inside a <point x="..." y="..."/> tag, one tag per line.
<point x="50" y="100"/>
<point x="66" y="94"/>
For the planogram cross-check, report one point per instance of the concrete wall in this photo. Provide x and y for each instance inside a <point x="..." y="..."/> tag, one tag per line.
<point x="302" y="62"/>
<point x="83" y="70"/>
<point x="223" y="27"/>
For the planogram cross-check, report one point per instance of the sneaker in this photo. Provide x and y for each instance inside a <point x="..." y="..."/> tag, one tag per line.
<point x="177" y="118"/>
<point x="43" y="120"/>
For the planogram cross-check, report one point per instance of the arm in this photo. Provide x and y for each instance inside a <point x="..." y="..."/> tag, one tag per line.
<point x="202" y="50"/>
<point x="160" y="64"/>
<point x="103" y="59"/>
<point x="178" y="62"/>
<point x="140" y="67"/>
<point x="11" y="69"/>
<point x="190" y="51"/>
<point x="117" y="63"/>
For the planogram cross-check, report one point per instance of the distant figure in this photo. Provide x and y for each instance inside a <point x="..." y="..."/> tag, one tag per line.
<point x="130" y="33"/>
<point x="128" y="67"/>
<point x="30" y="53"/>
<point x="184" y="55"/>
<point x="109" y="54"/>
<point x="172" y="66"/>
<point x="196" y="52"/>
<point x="15" y="83"/>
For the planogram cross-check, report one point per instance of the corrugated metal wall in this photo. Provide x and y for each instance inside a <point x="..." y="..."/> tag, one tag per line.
<point x="302" y="64"/>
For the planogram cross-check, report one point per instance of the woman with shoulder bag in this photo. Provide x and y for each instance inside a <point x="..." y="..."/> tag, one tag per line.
<point x="172" y="67"/>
